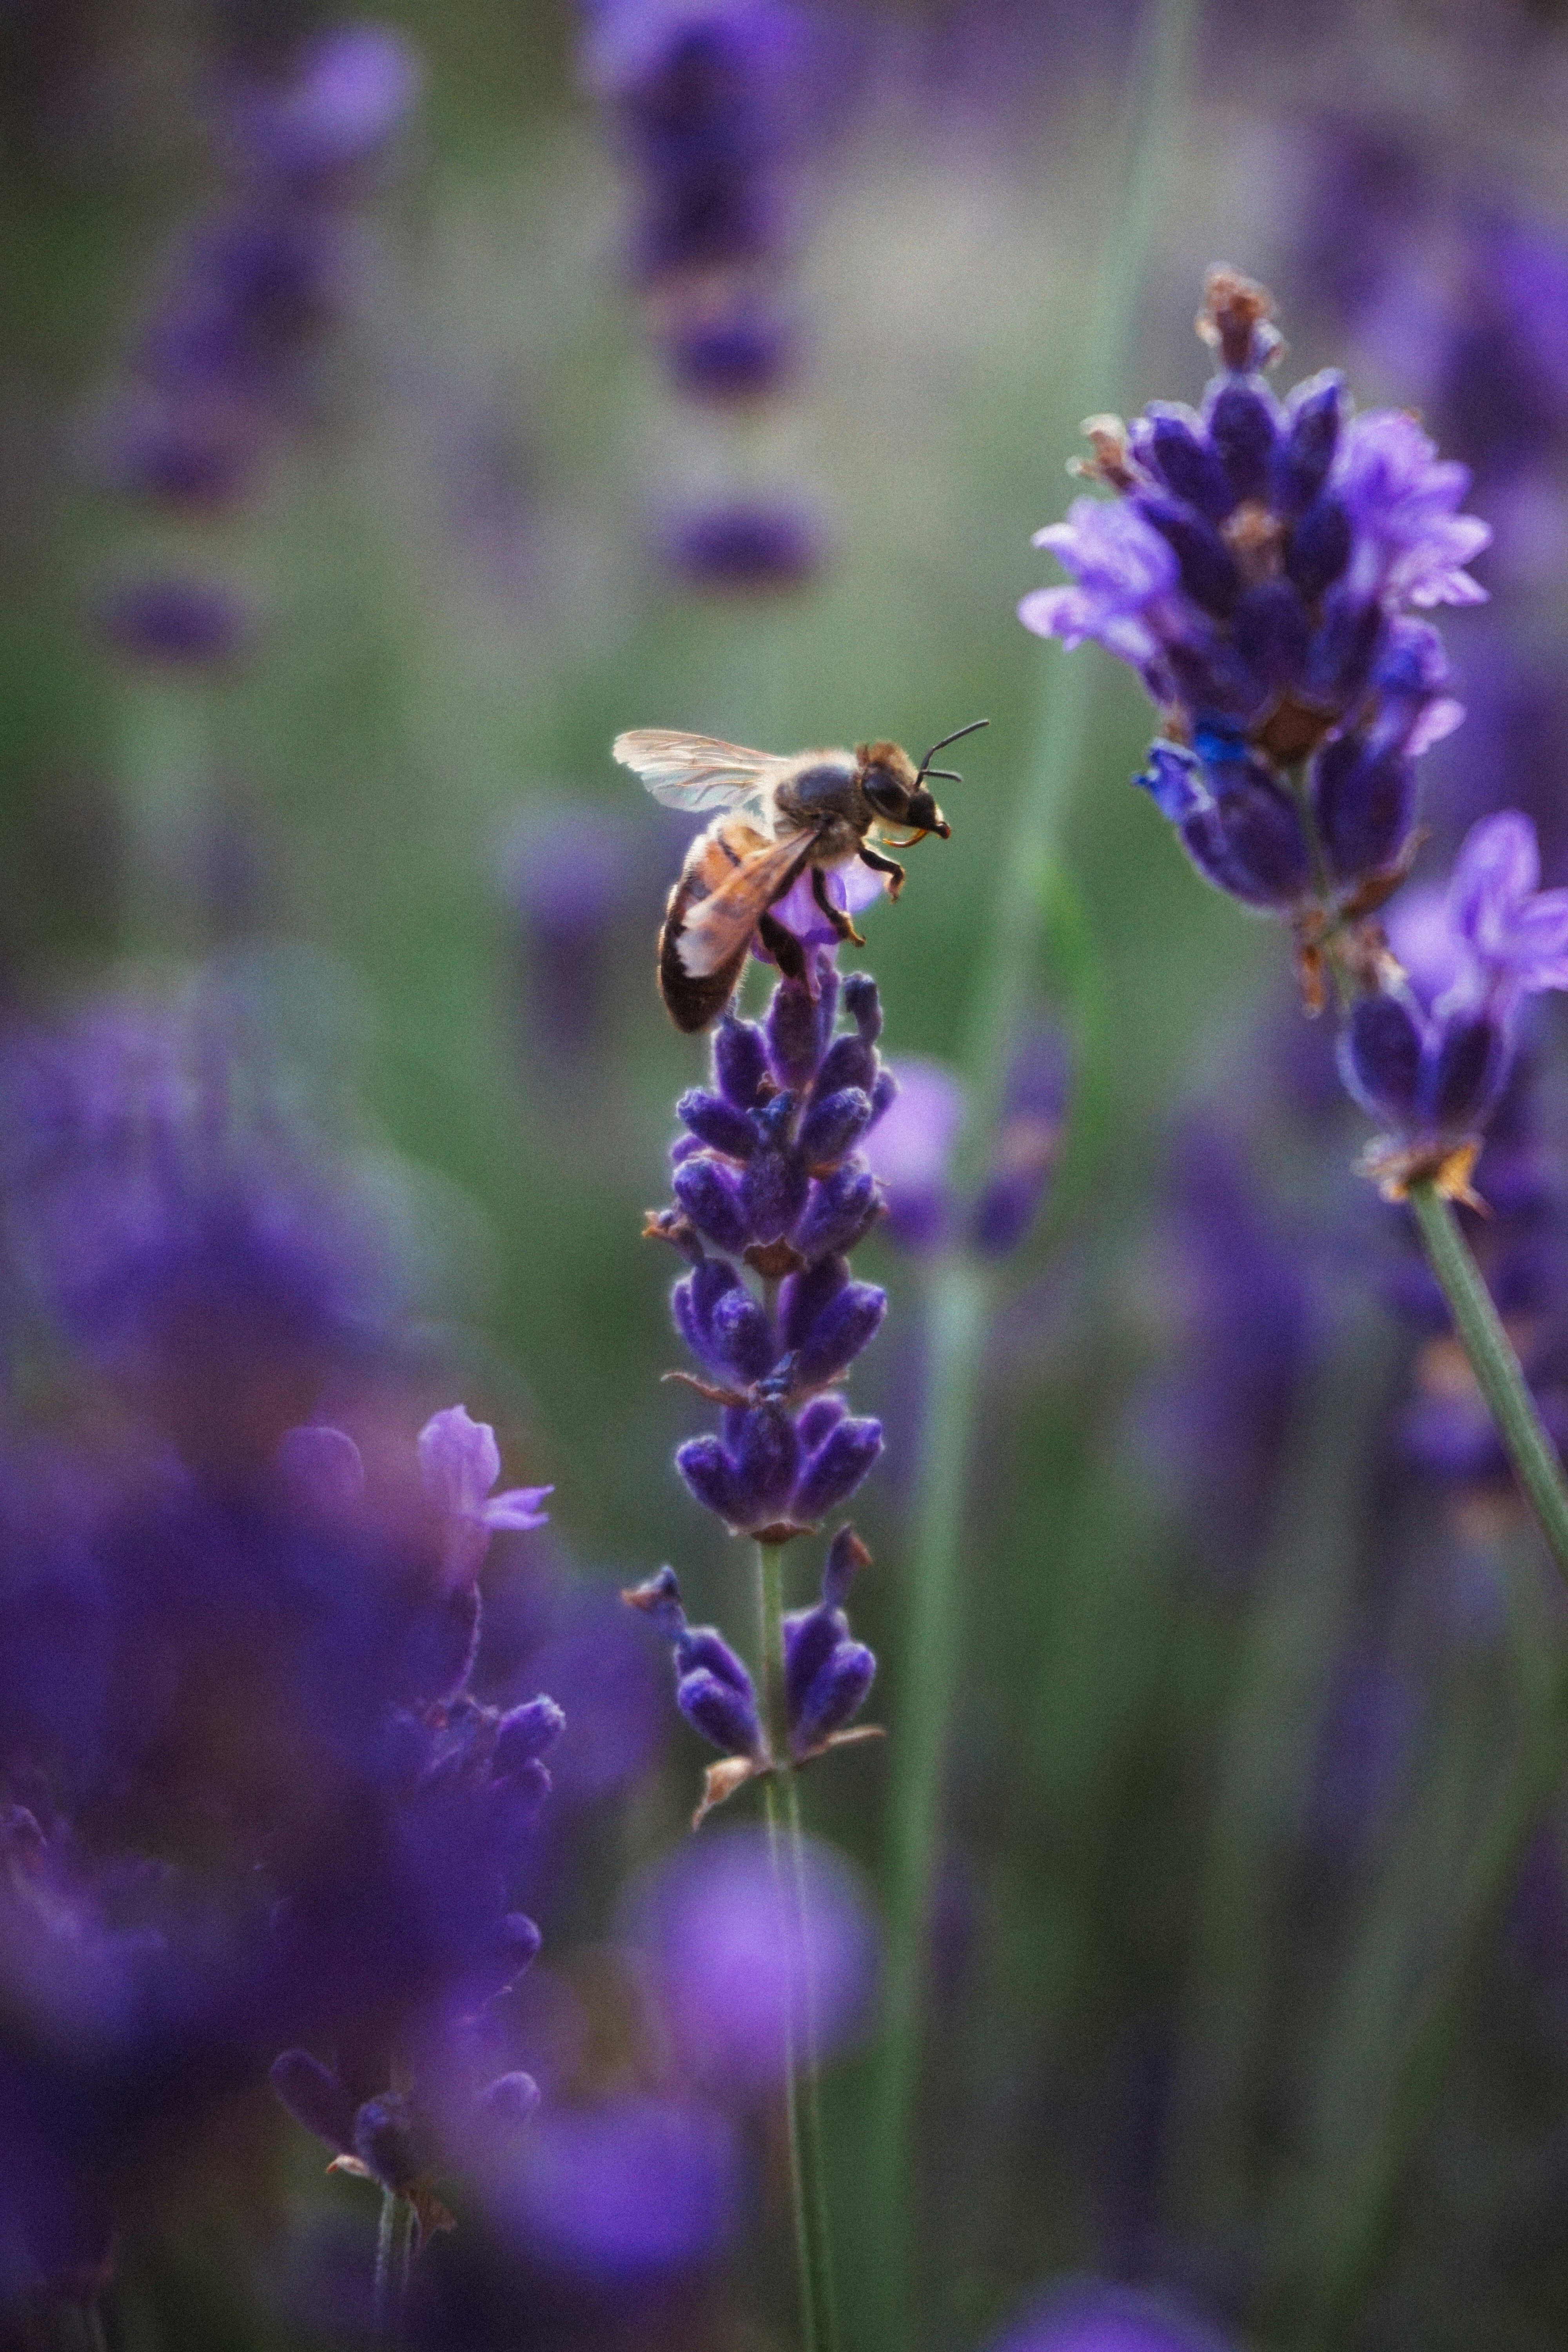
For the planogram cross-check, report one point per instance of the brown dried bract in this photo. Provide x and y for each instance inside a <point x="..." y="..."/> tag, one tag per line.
<point x="1235" y="319"/>
<point x="1393" y="1167"/>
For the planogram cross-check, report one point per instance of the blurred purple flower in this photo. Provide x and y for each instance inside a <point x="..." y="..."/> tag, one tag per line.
<point x="176" y="624"/>
<point x="1091" y="2318"/>
<point x="627" y="2186"/>
<point x="744" y="544"/>
<point x="347" y="93"/>
<point x="911" y="1152"/>
<point x="715" y="1930"/>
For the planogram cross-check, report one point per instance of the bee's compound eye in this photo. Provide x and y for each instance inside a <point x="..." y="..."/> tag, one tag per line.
<point x="884" y="791"/>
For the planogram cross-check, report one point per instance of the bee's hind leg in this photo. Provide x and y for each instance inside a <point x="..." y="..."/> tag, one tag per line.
<point x="843" y="927"/>
<point x="783" y="947"/>
<point x="887" y="866"/>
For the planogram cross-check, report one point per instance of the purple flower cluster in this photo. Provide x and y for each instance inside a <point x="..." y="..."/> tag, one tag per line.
<point x="1254" y="571"/>
<point x="826" y="1674"/>
<point x="1430" y="1052"/>
<point x="250" y="1797"/>
<point x="770" y="1178"/>
<point x="712" y="103"/>
<point x="230" y="362"/>
<point x="1255" y="568"/>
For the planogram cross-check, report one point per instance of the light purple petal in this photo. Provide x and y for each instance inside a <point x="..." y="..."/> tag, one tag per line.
<point x="517" y="1507"/>
<point x="459" y="1461"/>
<point x="911" y="1147"/>
<point x="1497" y="868"/>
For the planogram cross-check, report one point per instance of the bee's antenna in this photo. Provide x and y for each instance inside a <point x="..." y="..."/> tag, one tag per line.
<point x="947" y="774"/>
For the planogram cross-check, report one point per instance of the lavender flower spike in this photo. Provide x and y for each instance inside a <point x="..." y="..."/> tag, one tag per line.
<point x="1433" y="1065"/>
<point x="1256" y="568"/>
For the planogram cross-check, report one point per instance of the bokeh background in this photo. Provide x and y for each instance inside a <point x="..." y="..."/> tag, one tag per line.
<point x="312" y="644"/>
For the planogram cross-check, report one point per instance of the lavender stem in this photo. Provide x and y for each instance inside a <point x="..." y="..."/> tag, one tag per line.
<point x="1480" y="1330"/>
<point x="803" y="2099"/>
<point x="393" y="2250"/>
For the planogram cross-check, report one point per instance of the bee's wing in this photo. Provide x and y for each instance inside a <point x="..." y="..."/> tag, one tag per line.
<point x="718" y="927"/>
<point x="696" y="772"/>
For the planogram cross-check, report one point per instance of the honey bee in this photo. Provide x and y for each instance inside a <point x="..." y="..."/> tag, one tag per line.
<point x="806" y="812"/>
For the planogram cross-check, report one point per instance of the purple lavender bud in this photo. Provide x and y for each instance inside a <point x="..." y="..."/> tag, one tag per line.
<point x="846" y="1555"/>
<point x="707" y="1470"/>
<point x="693" y="1299"/>
<point x="743" y="1337"/>
<point x="176" y="624"/>
<point x="1207" y="567"/>
<point x="726" y="1717"/>
<point x="526" y="1732"/>
<point x="834" y="1125"/>
<point x="864" y="1006"/>
<point x="817" y="1418"/>
<point x="1379" y="1058"/>
<point x="794" y="1036"/>
<point x="1363" y="800"/>
<point x="810" y="1638"/>
<point x="846" y="1325"/>
<point x="314" y="2097"/>
<point x="1242" y="420"/>
<point x="765" y="1451"/>
<point x="1318" y="548"/>
<point x="743" y="545"/>
<point x="772" y="1193"/>
<point x="1344" y="648"/>
<point x="718" y="1124"/>
<point x="840" y="1211"/>
<point x="740" y="1062"/>
<point x="387" y="2142"/>
<point x="712" y="1197"/>
<point x="806" y="1296"/>
<point x="1271" y="631"/>
<point x="1302" y="459"/>
<point x="1184" y="461"/>
<point x="659" y="1598"/>
<point x="1240" y="829"/>
<point x="849" y="1061"/>
<point x="1465" y="1074"/>
<point x="837" y="1467"/>
<point x="835" y="1697"/>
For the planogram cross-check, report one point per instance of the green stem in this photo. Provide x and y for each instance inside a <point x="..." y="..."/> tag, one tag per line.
<point x="1350" y="2228"/>
<point x="1292" y="1637"/>
<point x="958" y="1308"/>
<point x="1496" y="1367"/>
<point x="960" y="1295"/>
<point x="394" y="2253"/>
<point x="1149" y="126"/>
<point x="803" y="2098"/>
<point x="1343" y="2241"/>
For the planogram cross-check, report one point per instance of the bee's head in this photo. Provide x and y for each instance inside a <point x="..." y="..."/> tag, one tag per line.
<point x="924" y="813"/>
<point x="891" y="781"/>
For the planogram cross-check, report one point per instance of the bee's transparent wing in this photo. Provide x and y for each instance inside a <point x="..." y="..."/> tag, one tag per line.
<point x="696" y="772"/>
<point x="718" y="927"/>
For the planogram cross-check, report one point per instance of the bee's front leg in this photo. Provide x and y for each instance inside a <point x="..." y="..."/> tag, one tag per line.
<point x="843" y="927"/>
<point x="783" y="947"/>
<point x="887" y="866"/>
